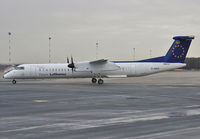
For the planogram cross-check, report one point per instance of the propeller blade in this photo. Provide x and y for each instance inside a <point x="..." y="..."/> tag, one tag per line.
<point x="67" y="60"/>
<point x="71" y="65"/>
<point x="72" y="61"/>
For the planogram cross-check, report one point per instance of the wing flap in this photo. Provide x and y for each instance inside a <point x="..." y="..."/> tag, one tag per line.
<point x="116" y="76"/>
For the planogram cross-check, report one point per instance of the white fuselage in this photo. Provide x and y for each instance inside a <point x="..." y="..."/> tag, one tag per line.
<point x="132" y="69"/>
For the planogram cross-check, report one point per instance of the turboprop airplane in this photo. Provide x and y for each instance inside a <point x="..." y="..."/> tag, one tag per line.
<point x="104" y="68"/>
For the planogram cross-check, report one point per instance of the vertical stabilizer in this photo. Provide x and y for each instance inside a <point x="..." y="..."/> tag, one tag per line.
<point x="179" y="49"/>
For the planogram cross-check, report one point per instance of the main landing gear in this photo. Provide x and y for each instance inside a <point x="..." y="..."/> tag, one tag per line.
<point x="94" y="80"/>
<point x="14" y="81"/>
<point x="100" y="81"/>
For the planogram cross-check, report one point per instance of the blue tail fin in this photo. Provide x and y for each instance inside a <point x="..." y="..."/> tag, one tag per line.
<point x="179" y="49"/>
<point x="176" y="53"/>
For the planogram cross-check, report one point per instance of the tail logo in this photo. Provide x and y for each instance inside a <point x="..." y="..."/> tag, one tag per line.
<point x="178" y="42"/>
<point x="178" y="51"/>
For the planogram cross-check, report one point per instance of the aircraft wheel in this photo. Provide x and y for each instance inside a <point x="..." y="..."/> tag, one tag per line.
<point x="100" y="81"/>
<point x="14" y="81"/>
<point x="94" y="80"/>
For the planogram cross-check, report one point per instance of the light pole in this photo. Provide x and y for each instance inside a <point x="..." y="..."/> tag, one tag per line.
<point x="150" y="52"/>
<point x="133" y="53"/>
<point x="9" y="47"/>
<point x="97" y="45"/>
<point x="49" y="49"/>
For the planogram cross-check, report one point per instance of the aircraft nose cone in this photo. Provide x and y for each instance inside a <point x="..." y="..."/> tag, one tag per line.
<point x="4" y="76"/>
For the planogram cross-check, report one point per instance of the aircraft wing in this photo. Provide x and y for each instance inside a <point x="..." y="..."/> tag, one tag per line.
<point x="100" y="61"/>
<point x="97" y="66"/>
<point x="103" y="65"/>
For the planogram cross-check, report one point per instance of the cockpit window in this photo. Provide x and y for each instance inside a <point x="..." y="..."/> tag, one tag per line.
<point x="13" y="68"/>
<point x="19" y="68"/>
<point x="8" y="69"/>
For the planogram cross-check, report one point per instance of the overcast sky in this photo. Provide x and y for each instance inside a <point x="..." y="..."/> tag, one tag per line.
<point x="76" y="25"/>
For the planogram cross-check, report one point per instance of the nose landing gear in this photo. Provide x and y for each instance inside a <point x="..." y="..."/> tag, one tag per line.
<point x="14" y="81"/>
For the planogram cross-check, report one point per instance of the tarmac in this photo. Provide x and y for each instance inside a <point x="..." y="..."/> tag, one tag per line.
<point x="160" y="106"/>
